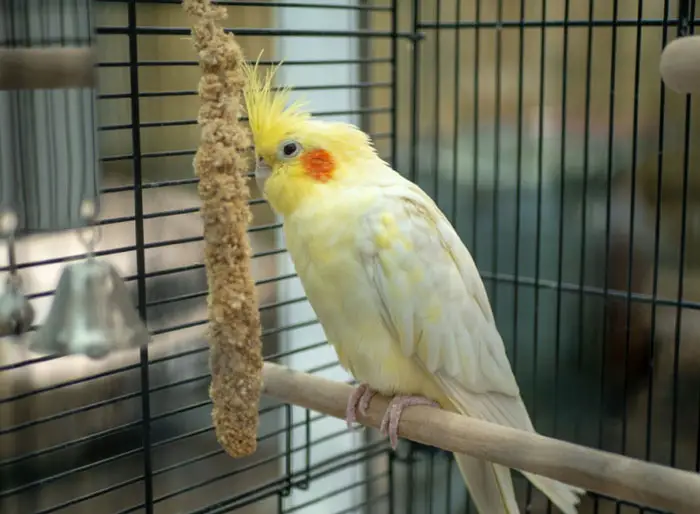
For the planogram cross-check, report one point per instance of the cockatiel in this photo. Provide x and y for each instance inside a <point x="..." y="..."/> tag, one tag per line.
<point x="395" y="289"/>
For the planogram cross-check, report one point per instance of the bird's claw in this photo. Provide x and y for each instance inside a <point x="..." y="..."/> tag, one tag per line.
<point x="358" y="401"/>
<point x="392" y="416"/>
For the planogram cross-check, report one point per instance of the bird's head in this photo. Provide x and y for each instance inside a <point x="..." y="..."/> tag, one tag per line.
<point x="299" y="157"/>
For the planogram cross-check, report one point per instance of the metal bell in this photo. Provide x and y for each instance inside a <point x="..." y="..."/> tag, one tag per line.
<point x="91" y="314"/>
<point x="16" y="313"/>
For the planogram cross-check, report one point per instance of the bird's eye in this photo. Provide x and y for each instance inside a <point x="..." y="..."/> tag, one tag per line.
<point x="289" y="149"/>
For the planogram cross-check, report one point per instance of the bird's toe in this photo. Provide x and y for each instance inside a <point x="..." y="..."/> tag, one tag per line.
<point x="366" y="397"/>
<point x="390" y="423"/>
<point x="355" y="402"/>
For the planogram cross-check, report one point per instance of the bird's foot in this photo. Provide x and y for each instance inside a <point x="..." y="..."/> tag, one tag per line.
<point x="358" y="401"/>
<point x="390" y="422"/>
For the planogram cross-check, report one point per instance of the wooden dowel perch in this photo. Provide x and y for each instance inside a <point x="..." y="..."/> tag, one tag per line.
<point x="221" y="164"/>
<point x="621" y="477"/>
<point x="47" y="68"/>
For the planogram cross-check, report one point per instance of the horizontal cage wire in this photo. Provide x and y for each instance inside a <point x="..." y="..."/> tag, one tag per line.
<point x="543" y="132"/>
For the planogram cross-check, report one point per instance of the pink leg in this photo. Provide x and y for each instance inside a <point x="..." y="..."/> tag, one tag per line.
<point x="390" y="423"/>
<point x="358" y="401"/>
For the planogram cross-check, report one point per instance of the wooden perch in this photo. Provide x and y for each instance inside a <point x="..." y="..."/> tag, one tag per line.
<point x="680" y="65"/>
<point x="47" y="68"/>
<point x="633" y="480"/>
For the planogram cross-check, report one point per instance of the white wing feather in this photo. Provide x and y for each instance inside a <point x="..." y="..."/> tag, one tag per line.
<point x="432" y="296"/>
<point x="434" y="303"/>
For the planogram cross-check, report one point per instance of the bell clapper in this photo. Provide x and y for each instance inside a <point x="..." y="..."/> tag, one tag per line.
<point x="16" y="312"/>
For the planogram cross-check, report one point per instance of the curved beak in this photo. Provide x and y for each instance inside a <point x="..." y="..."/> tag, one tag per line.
<point x="262" y="173"/>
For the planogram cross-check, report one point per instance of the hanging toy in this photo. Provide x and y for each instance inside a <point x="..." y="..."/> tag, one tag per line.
<point x="92" y="313"/>
<point x="16" y="313"/>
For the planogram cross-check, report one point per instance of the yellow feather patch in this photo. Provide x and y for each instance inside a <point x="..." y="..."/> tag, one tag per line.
<point x="270" y="117"/>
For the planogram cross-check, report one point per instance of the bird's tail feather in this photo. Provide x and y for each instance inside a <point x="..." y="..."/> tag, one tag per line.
<point x="490" y="485"/>
<point x="562" y="495"/>
<point x="508" y="411"/>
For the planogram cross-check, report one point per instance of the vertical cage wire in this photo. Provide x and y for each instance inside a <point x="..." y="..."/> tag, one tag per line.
<point x="139" y="239"/>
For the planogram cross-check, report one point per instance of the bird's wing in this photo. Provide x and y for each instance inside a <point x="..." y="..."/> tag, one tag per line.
<point x="434" y="302"/>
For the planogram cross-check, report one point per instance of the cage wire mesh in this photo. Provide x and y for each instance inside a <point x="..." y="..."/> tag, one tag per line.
<point x="543" y="131"/>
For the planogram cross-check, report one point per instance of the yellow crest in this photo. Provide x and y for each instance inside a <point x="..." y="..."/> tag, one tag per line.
<point x="269" y="115"/>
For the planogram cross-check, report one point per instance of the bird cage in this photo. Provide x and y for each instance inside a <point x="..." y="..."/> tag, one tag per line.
<point x="541" y="129"/>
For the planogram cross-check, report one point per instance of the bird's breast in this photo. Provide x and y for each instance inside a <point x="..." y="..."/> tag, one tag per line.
<point x="348" y="307"/>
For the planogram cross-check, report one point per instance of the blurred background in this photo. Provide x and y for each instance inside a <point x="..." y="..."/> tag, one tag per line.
<point x="542" y="130"/>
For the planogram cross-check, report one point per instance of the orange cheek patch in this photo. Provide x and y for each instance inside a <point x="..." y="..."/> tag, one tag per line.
<point x="318" y="164"/>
